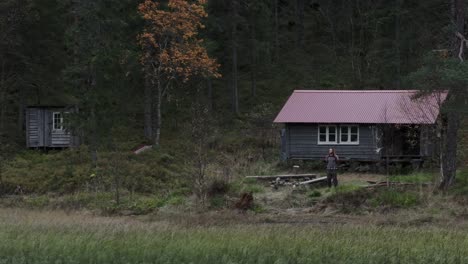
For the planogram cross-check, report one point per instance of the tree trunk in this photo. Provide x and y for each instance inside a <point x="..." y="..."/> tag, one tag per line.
<point x="275" y="4"/>
<point x="253" y="58"/>
<point x="300" y="22"/>
<point x="2" y="102"/>
<point x="94" y="137"/>
<point x="397" y="44"/>
<point x="158" y="116"/>
<point x="21" y="107"/>
<point x="450" y="157"/>
<point x="449" y="168"/>
<point x="352" y="48"/>
<point x="148" y="126"/>
<point x="235" y="95"/>
<point x="210" y="94"/>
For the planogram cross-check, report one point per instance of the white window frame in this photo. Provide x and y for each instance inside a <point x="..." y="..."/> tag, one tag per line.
<point x="327" y="142"/>
<point x="54" y="123"/>
<point x="349" y="142"/>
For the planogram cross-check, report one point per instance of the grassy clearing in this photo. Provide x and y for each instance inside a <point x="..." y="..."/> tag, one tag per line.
<point x="461" y="186"/>
<point x="58" y="238"/>
<point x="421" y="177"/>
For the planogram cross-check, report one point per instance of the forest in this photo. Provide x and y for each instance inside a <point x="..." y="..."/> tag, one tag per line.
<point x="215" y="73"/>
<point x="201" y="81"/>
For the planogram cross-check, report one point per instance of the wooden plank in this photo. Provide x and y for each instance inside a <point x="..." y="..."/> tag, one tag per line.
<point x="265" y="177"/>
<point x="321" y="179"/>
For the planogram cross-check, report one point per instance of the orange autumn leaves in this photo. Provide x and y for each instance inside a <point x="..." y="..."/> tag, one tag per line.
<point x="170" y="42"/>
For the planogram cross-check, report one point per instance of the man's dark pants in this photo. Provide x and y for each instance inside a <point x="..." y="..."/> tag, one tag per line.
<point x="332" y="178"/>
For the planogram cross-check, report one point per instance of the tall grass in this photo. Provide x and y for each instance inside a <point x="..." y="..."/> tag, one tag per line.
<point x="58" y="238"/>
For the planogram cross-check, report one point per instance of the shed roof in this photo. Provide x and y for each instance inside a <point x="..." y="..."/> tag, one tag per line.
<point x="361" y="106"/>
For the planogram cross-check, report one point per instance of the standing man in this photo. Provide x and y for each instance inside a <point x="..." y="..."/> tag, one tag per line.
<point x="332" y="162"/>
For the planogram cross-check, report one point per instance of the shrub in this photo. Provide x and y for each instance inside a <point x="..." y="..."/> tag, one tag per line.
<point x="217" y="201"/>
<point x="257" y="208"/>
<point x="461" y="183"/>
<point x="314" y="194"/>
<point x="218" y="187"/>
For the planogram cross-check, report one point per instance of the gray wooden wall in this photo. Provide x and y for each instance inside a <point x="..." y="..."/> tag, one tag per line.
<point x="301" y="143"/>
<point x="39" y="131"/>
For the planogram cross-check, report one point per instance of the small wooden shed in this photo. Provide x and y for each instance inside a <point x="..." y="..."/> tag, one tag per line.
<point x="364" y="125"/>
<point x="47" y="127"/>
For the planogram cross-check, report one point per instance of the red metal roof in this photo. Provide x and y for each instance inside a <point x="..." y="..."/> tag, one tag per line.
<point x="361" y="106"/>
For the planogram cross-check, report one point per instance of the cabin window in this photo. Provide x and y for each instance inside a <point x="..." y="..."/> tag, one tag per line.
<point x="349" y="134"/>
<point x="327" y="135"/>
<point x="57" y="123"/>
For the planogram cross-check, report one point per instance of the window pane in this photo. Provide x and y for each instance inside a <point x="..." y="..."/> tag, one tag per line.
<point x="332" y="134"/>
<point x="354" y="129"/>
<point x="344" y="134"/>
<point x="323" y="137"/>
<point x="57" y="121"/>
<point x="323" y="130"/>
<point x="344" y="137"/>
<point x="354" y="138"/>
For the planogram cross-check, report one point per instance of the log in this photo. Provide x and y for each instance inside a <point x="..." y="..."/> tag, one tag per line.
<point x="142" y="149"/>
<point x="321" y="179"/>
<point x="293" y="176"/>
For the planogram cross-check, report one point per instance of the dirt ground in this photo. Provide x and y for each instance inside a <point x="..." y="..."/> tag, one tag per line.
<point x="289" y="197"/>
<point x="355" y="178"/>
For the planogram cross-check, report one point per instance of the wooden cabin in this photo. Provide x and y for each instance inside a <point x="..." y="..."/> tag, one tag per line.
<point x="46" y="127"/>
<point x="363" y="125"/>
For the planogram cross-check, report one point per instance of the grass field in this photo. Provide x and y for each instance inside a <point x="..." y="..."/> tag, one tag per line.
<point x="57" y="237"/>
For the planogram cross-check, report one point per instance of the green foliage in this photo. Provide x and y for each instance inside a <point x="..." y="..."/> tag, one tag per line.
<point x="217" y="201"/>
<point x="85" y="53"/>
<point x="346" y="188"/>
<point x="246" y="186"/>
<point x="257" y="208"/>
<point x="314" y="194"/>
<point x="461" y="184"/>
<point x="395" y="199"/>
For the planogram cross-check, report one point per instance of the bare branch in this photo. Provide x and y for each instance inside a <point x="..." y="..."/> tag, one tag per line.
<point x="463" y="40"/>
